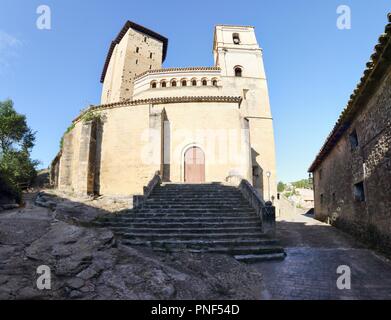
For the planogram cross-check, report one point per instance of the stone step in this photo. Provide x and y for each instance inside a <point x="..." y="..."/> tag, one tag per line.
<point x="203" y="230"/>
<point x="266" y="250"/>
<point x="198" y="207"/>
<point x="179" y="196"/>
<point x="199" y="189"/>
<point x="195" y="212"/>
<point x="253" y="258"/>
<point x="183" y="219"/>
<point x="203" y="244"/>
<point x="196" y="187"/>
<point x="191" y="236"/>
<point x="196" y="202"/>
<point x="195" y="190"/>
<point x="196" y="215"/>
<point x="210" y="218"/>
<point x="186" y="225"/>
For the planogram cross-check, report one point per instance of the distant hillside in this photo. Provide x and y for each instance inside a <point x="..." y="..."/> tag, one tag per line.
<point x="300" y="184"/>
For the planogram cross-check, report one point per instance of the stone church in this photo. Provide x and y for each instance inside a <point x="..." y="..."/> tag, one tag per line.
<point x="189" y="125"/>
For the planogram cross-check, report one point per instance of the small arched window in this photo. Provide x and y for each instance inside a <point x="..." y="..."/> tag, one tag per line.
<point x="163" y="84"/>
<point x="153" y="84"/>
<point x="235" y="38"/>
<point x="173" y="83"/>
<point x="204" y="82"/>
<point x="194" y="82"/>
<point x="184" y="83"/>
<point x="238" y="72"/>
<point x="137" y="49"/>
<point x="214" y="82"/>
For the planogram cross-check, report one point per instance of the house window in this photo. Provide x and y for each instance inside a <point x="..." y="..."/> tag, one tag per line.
<point x="194" y="83"/>
<point x="184" y="83"/>
<point x="137" y="49"/>
<point x="136" y="61"/>
<point x="150" y="55"/>
<point x="235" y="38"/>
<point x="359" y="194"/>
<point x="238" y="72"/>
<point x="214" y="83"/>
<point x="204" y="82"/>
<point x="173" y="83"/>
<point x="145" y="39"/>
<point x="353" y="138"/>
<point x="163" y="84"/>
<point x="153" y="85"/>
<point x="150" y="67"/>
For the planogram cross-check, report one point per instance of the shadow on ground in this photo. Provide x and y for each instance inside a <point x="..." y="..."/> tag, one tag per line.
<point x="90" y="263"/>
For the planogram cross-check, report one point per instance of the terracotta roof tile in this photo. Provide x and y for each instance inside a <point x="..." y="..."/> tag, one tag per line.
<point x="162" y="100"/>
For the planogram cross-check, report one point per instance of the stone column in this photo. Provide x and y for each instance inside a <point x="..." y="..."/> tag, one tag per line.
<point x="156" y="138"/>
<point x="87" y="155"/>
<point x="247" y="165"/>
<point x="65" y="166"/>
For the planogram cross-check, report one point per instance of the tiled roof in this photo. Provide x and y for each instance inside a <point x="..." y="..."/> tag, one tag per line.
<point x="376" y="67"/>
<point x="121" y="34"/>
<point x="163" y="70"/>
<point x="163" y="100"/>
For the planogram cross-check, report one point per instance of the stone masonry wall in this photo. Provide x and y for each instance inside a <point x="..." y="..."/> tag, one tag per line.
<point x="370" y="162"/>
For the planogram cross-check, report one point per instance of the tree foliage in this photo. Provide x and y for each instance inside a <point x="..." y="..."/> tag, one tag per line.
<point x="281" y="186"/>
<point x="16" y="142"/>
<point x="14" y="131"/>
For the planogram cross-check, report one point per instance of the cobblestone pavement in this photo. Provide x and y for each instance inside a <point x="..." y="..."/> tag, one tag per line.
<point x="314" y="252"/>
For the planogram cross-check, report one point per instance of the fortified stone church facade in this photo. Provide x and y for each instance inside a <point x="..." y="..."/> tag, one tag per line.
<point x="191" y="125"/>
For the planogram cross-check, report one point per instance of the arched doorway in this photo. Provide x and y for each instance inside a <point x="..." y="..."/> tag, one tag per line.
<point x="194" y="165"/>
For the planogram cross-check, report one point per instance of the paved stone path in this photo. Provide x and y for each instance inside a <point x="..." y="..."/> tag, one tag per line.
<point x="314" y="252"/>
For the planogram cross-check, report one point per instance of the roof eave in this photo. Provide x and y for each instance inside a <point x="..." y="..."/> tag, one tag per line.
<point x="379" y="63"/>
<point x="129" y="24"/>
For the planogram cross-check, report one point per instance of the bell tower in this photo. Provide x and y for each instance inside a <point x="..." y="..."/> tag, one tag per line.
<point x="237" y="53"/>
<point x="236" y="50"/>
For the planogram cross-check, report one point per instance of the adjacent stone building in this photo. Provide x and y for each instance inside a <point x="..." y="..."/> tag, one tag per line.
<point x="352" y="172"/>
<point x="192" y="125"/>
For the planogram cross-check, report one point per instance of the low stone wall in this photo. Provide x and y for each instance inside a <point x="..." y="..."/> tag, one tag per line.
<point x="367" y="233"/>
<point x="138" y="200"/>
<point x="265" y="211"/>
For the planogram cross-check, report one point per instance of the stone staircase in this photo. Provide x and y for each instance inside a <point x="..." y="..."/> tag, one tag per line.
<point x="213" y="218"/>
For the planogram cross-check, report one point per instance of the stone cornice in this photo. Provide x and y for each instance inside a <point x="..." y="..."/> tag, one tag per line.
<point x="162" y="100"/>
<point x="164" y="70"/>
<point x="379" y="63"/>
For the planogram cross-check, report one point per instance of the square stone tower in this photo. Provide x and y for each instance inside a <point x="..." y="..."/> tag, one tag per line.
<point x="135" y="50"/>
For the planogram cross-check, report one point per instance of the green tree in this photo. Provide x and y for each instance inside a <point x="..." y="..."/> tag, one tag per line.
<point x="281" y="186"/>
<point x="14" y="131"/>
<point x="16" y="142"/>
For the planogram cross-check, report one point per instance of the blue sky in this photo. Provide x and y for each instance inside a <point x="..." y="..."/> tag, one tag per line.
<point x="312" y="66"/>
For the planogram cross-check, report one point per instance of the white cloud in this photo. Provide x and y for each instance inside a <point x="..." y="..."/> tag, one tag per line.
<point x="8" y="47"/>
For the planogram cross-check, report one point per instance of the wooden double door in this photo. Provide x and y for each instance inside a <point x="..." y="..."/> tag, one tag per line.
<point x="194" y="165"/>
